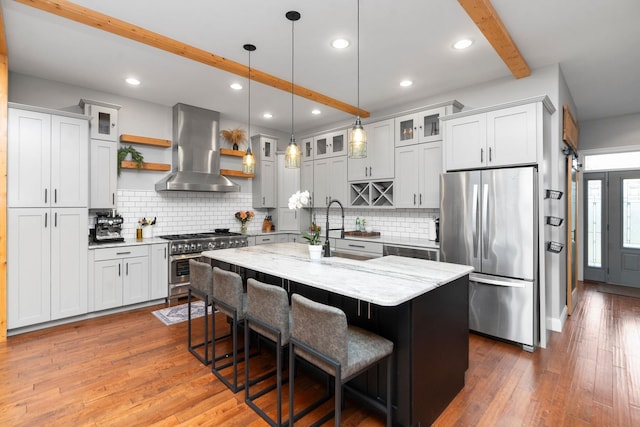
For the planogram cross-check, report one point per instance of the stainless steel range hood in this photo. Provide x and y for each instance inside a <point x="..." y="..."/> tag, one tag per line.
<point x="196" y="159"/>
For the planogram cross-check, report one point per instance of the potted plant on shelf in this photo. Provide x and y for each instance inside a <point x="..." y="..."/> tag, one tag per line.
<point x="136" y="156"/>
<point x="297" y="201"/>
<point x="234" y="136"/>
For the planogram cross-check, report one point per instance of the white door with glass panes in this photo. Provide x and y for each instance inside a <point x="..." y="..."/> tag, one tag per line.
<point x="288" y="184"/>
<point x="330" y="144"/>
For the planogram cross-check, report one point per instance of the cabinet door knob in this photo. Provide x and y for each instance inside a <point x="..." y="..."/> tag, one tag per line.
<point x="482" y="155"/>
<point x="414" y="199"/>
<point x="420" y="199"/>
<point x="55" y="195"/>
<point x="45" y="195"/>
<point x="490" y="154"/>
<point x="45" y="219"/>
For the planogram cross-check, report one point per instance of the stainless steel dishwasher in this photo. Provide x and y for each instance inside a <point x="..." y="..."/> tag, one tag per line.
<point x="431" y="254"/>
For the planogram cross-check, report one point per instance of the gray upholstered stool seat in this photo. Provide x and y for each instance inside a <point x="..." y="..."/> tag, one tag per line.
<point x="320" y="334"/>
<point x="201" y="285"/>
<point x="268" y="314"/>
<point x="230" y="299"/>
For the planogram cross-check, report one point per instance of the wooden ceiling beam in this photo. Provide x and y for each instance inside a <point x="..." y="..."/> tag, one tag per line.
<point x="92" y="18"/>
<point x="488" y="21"/>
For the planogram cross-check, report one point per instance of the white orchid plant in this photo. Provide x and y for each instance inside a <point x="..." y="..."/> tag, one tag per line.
<point x="301" y="199"/>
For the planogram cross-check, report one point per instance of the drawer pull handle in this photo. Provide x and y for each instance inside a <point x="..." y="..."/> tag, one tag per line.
<point x="356" y="246"/>
<point x="123" y="253"/>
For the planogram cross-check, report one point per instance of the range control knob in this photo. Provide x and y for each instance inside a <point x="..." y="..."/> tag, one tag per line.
<point x="211" y="245"/>
<point x="179" y="248"/>
<point x="174" y="249"/>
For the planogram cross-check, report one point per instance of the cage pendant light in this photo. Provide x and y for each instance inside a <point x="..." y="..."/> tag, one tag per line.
<point x="357" y="136"/>
<point x="248" y="161"/>
<point x="292" y="154"/>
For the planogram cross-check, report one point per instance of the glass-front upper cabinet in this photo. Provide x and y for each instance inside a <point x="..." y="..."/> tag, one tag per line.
<point x="330" y="144"/>
<point x="104" y="119"/>
<point x="307" y="149"/>
<point x="419" y="127"/>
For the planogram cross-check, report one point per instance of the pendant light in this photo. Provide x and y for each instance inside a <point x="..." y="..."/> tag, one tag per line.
<point x="357" y="136"/>
<point x="292" y="154"/>
<point x="248" y="161"/>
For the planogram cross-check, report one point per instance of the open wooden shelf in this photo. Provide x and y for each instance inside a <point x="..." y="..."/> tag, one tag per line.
<point x="125" y="164"/>
<point x="134" y="139"/>
<point x="236" y="173"/>
<point x="234" y="153"/>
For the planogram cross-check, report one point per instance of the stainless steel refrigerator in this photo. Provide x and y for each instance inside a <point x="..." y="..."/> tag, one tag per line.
<point x="488" y="219"/>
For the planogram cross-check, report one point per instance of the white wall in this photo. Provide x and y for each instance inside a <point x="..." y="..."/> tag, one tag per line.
<point x="610" y="132"/>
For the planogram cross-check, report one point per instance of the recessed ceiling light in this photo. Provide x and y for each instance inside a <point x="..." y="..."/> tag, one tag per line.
<point x="406" y="83"/>
<point x="133" y="81"/>
<point x="315" y="111"/>
<point x="340" y="43"/>
<point x="236" y="86"/>
<point x="462" y="44"/>
<point x="267" y="115"/>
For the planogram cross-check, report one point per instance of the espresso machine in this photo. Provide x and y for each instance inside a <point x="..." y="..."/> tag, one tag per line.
<point x="107" y="227"/>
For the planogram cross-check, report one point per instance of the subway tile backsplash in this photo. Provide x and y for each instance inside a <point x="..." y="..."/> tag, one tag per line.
<point x="191" y="212"/>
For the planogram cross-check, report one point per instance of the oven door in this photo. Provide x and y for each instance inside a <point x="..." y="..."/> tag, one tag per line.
<point x="179" y="268"/>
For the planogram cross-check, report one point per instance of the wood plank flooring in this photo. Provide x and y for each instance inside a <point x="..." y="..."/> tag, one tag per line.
<point x="130" y="369"/>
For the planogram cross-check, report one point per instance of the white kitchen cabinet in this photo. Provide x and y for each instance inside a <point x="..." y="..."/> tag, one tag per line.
<point x="159" y="274"/>
<point x="307" y="149"/>
<point x="306" y="177"/>
<point x="103" y="153"/>
<point x="379" y="163"/>
<point x="423" y="126"/>
<point x="264" y="180"/>
<point x="104" y="174"/>
<point x="104" y="119"/>
<point x="46" y="159"/>
<point x="418" y="169"/>
<point x="499" y="137"/>
<point x="330" y="145"/>
<point x="288" y="184"/>
<point x="46" y="264"/>
<point x="120" y="276"/>
<point x="330" y="181"/>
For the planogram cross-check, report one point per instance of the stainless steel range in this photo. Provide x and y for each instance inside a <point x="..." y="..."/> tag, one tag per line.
<point x="183" y="247"/>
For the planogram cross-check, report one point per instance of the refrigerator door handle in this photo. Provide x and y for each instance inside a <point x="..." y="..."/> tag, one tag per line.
<point x="506" y="282"/>
<point x="474" y="222"/>
<point x="485" y="225"/>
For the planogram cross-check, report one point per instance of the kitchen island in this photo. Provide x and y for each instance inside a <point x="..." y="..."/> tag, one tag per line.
<point x="422" y="306"/>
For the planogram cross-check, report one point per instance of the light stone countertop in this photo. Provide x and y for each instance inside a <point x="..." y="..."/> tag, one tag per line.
<point x="386" y="281"/>
<point x="127" y="242"/>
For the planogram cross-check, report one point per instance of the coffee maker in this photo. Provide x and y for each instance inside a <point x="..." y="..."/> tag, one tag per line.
<point x="107" y="227"/>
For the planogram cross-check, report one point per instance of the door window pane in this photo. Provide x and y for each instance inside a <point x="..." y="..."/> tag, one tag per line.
<point x="612" y="161"/>
<point x="631" y="213"/>
<point x="594" y="223"/>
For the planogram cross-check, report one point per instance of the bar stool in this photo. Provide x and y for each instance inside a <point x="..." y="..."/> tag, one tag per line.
<point x="201" y="285"/>
<point x="229" y="298"/>
<point x="268" y="314"/>
<point x="320" y="334"/>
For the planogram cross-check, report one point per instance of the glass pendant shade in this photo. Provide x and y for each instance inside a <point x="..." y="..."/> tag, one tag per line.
<point x="357" y="141"/>
<point x="292" y="155"/>
<point x="248" y="162"/>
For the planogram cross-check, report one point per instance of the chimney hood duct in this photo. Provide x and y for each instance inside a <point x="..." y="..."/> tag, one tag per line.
<point x="195" y="152"/>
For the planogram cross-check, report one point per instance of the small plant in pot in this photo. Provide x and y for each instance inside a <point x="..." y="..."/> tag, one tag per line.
<point x="136" y="156"/>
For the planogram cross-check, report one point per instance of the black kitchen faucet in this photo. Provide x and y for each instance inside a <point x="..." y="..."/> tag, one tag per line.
<point x="327" y="247"/>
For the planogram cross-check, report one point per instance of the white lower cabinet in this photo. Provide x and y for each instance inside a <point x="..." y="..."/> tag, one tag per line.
<point x="418" y="169"/>
<point x="159" y="273"/>
<point x="46" y="265"/>
<point x="120" y="276"/>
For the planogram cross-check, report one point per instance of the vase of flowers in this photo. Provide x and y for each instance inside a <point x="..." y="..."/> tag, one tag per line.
<point x="244" y="217"/>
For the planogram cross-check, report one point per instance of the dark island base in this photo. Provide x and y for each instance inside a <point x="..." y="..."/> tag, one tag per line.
<point x="431" y="339"/>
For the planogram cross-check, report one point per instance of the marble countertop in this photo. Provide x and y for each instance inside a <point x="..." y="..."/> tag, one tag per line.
<point x="386" y="281"/>
<point x="127" y="242"/>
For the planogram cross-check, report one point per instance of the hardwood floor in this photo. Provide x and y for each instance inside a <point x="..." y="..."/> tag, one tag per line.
<point x="130" y="369"/>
